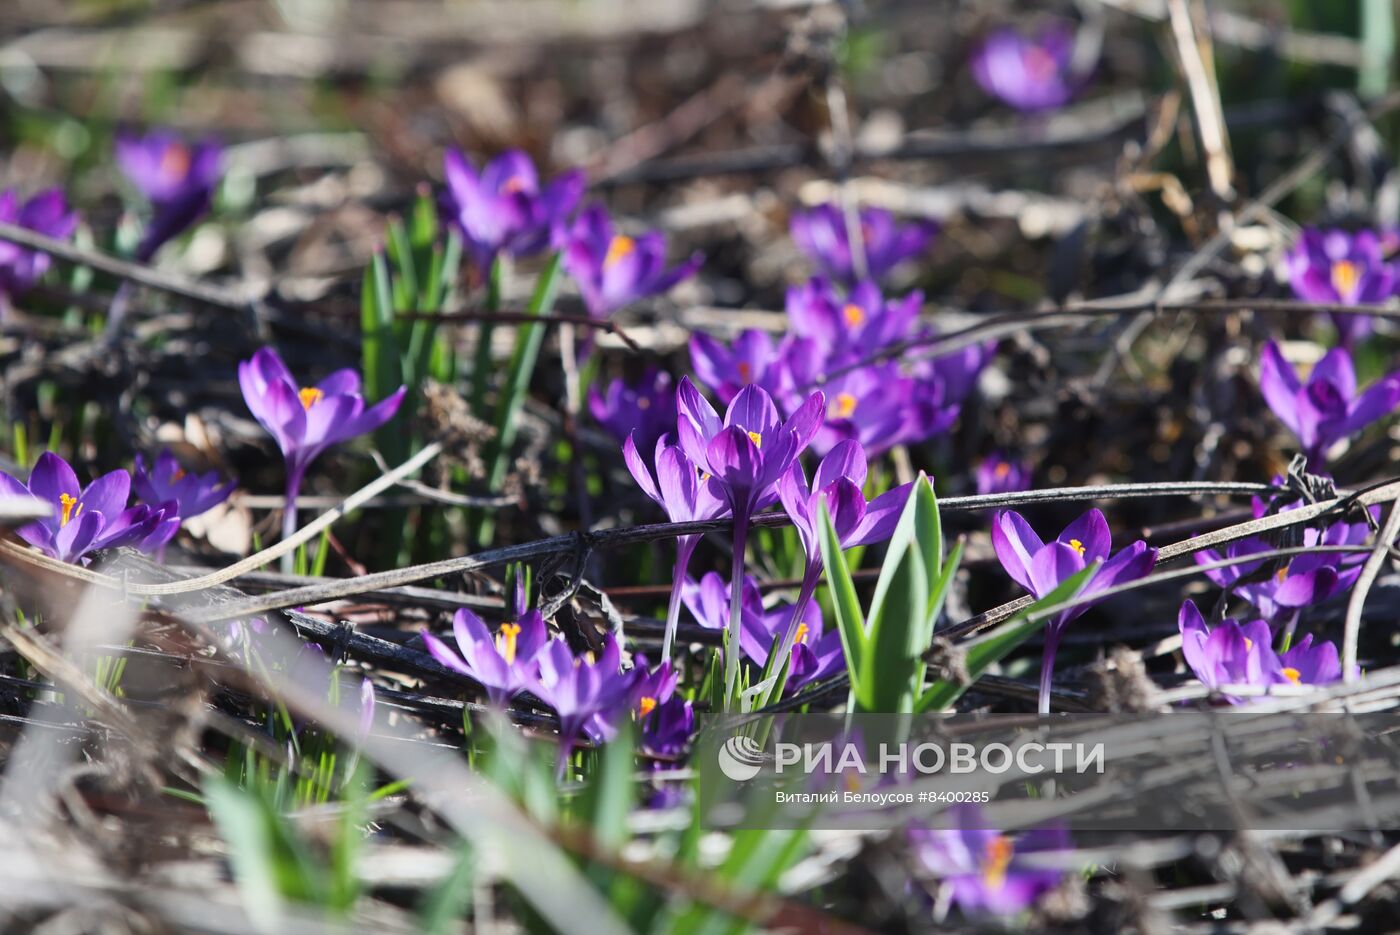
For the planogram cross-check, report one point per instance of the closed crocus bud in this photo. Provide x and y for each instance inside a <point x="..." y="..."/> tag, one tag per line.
<point x="822" y="233"/>
<point x="46" y="213"/>
<point x="177" y="177"/>
<point x="1030" y="73"/>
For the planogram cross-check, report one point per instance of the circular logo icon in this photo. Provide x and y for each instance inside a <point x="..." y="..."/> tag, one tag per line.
<point x="740" y="758"/>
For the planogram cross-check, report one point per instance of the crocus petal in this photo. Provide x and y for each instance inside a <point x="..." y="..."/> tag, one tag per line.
<point x="1016" y="545"/>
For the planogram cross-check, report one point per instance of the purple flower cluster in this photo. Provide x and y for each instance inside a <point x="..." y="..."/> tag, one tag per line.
<point x="999" y="474"/>
<point x="1040" y="567"/>
<point x="589" y="696"/>
<point x="1234" y="653"/>
<point x="504" y="209"/>
<point x="830" y="348"/>
<point x="46" y="213"/>
<point x="1336" y="267"/>
<point x="816" y="653"/>
<point x="86" y="519"/>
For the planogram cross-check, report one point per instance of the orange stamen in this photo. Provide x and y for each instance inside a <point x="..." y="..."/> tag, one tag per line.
<point x="999" y="851"/>
<point x="175" y="161"/>
<point x="845" y="405"/>
<point x="310" y="396"/>
<point x="1346" y="276"/>
<point x="1077" y="546"/>
<point x="618" y="248"/>
<point x="854" y="315"/>
<point x="68" y="502"/>
<point x="757" y="439"/>
<point x="505" y="641"/>
<point x="646" y="705"/>
<point x="1292" y="674"/>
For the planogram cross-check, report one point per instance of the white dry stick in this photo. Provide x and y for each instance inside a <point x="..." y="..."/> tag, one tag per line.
<point x="1192" y="47"/>
<point x="1369" y="571"/>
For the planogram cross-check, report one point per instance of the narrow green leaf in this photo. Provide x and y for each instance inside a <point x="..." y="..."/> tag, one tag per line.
<point x="893" y="661"/>
<point x="846" y="604"/>
<point x="983" y="654"/>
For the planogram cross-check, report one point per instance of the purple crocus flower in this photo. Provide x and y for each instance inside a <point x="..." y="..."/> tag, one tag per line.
<point x="746" y="453"/>
<point x="666" y="729"/>
<point x="504" y="663"/>
<point x="821" y="234"/>
<point x="1326" y="408"/>
<point x="1234" y="653"/>
<point x="305" y="421"/>
<point x="999" y="474"/>
<point x="651" y="687"/>
<point x="871" y="405"/>
<point x="178" y="178"/>
<point x="686" y="497"/>
<point x="612" y="269"/>
<point x="645" y="407"/>
<point x="1041" y="567"/>
<point x="46" y="213"/>
<point x="752" y="360"/>
<point x="852" y="326"/>
<point x="1306" y="579"/>
<point x="193" y="494"/>
<point x="815" y="653"/>
<point x="586" y="695"/>
<point x="839" y="480"/>
<point x="1335" y="267"/>
<point x="987" y="871"/>
<point x="504" y="209"/>
<point x="1030" y="73"/>
<point x="84" y="519"/>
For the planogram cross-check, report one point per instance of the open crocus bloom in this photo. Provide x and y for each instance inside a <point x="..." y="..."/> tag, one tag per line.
<point x="1233" y="653"/>
<point x="306" y="420"/>
<point x="504" y="209"/>
<point x="178" y="178"/>
<point x="1325" y="408"/>
<point x="1029" y="73"/>
<point x="613" y="269"/>
<point x="588" y="696"/>
<point x="166" y="481"/>
<point x="821" y="233"/>
<point x="1040" y="567"/>
<point x="853" y="325"/>
<point x="988" y="870"/>
<point x="85" y="519"/>
<point x="504" y="662"/>
<point x="1335" y="267"/>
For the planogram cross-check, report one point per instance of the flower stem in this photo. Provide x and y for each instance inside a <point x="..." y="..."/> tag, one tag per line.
<point x="1047" y="665"/>
<point x="736" y="599"/>
<point x="685" y="547"/>
<point x="289" y="518"/>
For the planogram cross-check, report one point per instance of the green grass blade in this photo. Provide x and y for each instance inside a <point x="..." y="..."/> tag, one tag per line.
<point x="849" y="617"/>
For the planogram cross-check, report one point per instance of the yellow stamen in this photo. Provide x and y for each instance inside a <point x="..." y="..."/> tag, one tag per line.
<point x="646" y="705"/>
<point x="1077" y="546"/>
<point x="854" y="315"/>
<point x="1281" y="574"/>
<point x="845" y="405"/>
<point x="643" y="403"/>
<point x="175" y="161"/>
<point x="998" y="858"/>
<point x="705" y="475"/>
<point x="1346" y="276"/>
<point x="505" y="641"/>
<point x="68" y="502"/>
<point x="310" y="396"/>
<point x="513" y="184"/>
<point x="1292" y="674"/>
<point x="177" y="475"/>
<point x="745" y="371"/>
<point x="757" y="439"/>
<point x="1002" y="469"/>
<point x="618" y="248"/>
<point x="1040" y="64"/>
<point x="801" y="633"/>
